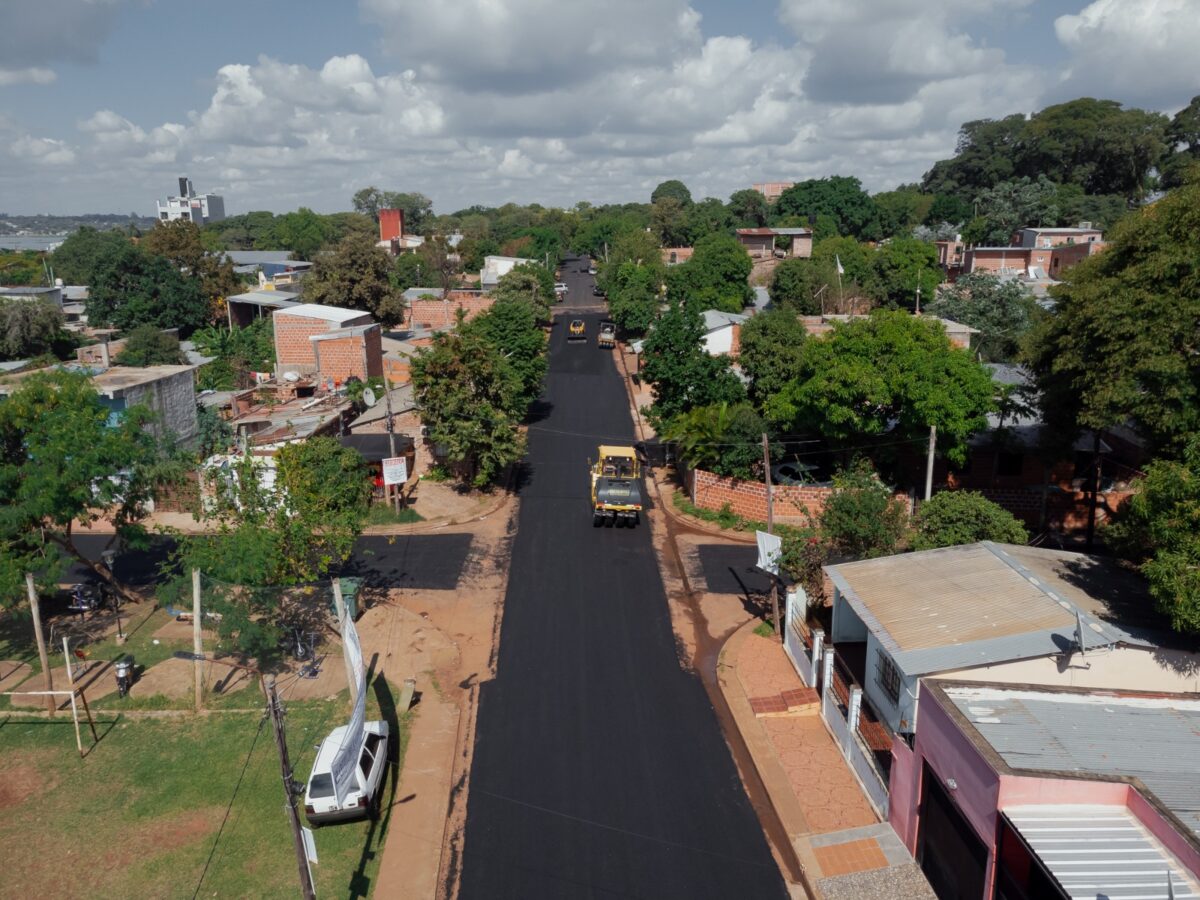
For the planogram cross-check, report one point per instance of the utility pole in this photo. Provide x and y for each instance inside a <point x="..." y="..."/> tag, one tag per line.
<point x="1091" y="521"/>
<point x="306" y="885"/>
<point x="771" y="530"/>
<point x="929" y="462"/>
<point x="197" y="641"/>
<point x="918" y="292"/>
<point x="41" y="641"/>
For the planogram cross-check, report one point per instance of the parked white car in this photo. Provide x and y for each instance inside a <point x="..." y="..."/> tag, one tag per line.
<point x="560" y="287"/>
<point x="320" y="799"/>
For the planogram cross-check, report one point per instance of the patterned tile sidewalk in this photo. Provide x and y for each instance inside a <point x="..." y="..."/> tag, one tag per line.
<point x="843" y="848"/>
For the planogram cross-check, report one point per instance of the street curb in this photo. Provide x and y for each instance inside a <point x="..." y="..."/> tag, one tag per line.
<point x="782" y="800"/>
<point x="440" y="523"/>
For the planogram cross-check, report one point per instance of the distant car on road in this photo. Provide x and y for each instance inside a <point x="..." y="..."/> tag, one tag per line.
<point x="320" y="799"/>
<point x="560" y="288"/>
<point x="596" y="292"/>
<point x="592" y="269"/>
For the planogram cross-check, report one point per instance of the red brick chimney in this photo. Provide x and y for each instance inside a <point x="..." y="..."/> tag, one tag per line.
<point x="391" y="224"/>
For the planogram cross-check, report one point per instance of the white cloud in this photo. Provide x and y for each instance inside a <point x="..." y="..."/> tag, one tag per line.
<point x="31" y="75"/>
<point x="1139" y="53"/>
<point x="42" y="151"/>
<point x="513" y="46"/>
<point x="41" y="31"/>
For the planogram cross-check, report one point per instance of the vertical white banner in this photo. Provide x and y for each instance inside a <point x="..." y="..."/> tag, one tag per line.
<point x="346" y="761"/>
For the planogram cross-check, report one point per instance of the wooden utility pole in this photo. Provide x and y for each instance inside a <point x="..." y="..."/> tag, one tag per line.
<point x="285" y="766"/>
<point x="771" y="530"/>
<point x="197" y="640"/>
<point x="929" y="461"/>
<point x="41" y="641"/>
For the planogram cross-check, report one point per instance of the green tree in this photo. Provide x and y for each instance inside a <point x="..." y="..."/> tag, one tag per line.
<point x="837" y="196"/>
<point x="772" y="352"/>
<point x="889" y="375"/>
<point x="368" y="201"/>
<point x="470" y="400"/>
<point x="950" y="518"/>
<point x="903" y="264"/>
<point x="857" y="262"/>
<point x="948" y="209"/>
<point x="902" y="210"/>
<point x="634" y="296"/>
<point x="23" y="267"/>
<point x="675" y="190"/>
<point x="1003" y="311"/>
<point x="236" y="354"/>
<point x="709" y="216"/>
<point x="799" y="285"/>
<point x="266" y="539"/>
<point x="215" y="433"/>
<point x="64" y="461"/>
<point x="861" y="518"/>
<point x="437" y="254"/>
<point x="147" y="345"/>
<point x="1120" y="343"/>
<point x="529" y="283"/>
<point x="131" y="287"/>
<point x="683" y="376"/>
<point x="669" y="220"/>
<point x="30" y="328"/>
<point x="80" y="256"/>
<point x="180" y="242"/>
<point x="716" y="277"/>
<point x="304" y="232"/>
<point x="748" y="209"/>
<point x="1009" y="206"/>
<point x="416" y="206"/>
<point x="1159" y="531"/>
<point x="357" y="275"/>
<point x="723" y="438"/>
<point x="984" y="156"/>
<point x="512" y="329"/>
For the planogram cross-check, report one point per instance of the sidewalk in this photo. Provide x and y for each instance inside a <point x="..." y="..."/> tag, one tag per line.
<point x="843" y="848"/>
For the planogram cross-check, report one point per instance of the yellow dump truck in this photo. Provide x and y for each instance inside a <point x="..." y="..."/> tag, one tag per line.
<point x="616" y="487"/>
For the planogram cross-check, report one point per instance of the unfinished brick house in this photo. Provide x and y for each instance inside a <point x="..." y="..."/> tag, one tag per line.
<point x="328" y="342"/>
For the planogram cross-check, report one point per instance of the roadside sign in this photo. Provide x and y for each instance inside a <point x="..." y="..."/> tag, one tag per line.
<point x="770" y="546"/>
<point x="395" y="470"/>
<point x="310" y="845"/>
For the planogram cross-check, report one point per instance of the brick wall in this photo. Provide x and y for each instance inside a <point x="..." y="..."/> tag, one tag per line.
<point x="1065" y="510"/>
<point x="295" y="352"/>
<point x="292" y="345"/>
<point x="748" y="499"/>
<point x="438" y="314"/>
<point x="359" y="355"/>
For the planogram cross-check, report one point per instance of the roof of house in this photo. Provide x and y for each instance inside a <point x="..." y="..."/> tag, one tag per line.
<point x="112" y="380"/>
<point x="376" y="447"/>
<point x="1062" y="230"/>
<point x="336" y="314"/>
<point x="257" y="257"/>
<point x="1099" y="733"/>
<point x="763" y="232"/>
<point x="348" y="332"/>
<point x="401" y="400"/>
<point x="714" y="319"/>
<point x="271" y="299"/>
<point x="978" y="604"/>
<point x="1072" y="839"/>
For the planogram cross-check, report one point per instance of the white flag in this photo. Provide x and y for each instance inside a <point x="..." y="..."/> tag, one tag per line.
<point x="841" y="271"/>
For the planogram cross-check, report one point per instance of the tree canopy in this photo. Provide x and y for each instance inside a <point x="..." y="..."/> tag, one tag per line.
<point x="861" y="518"/>
<point x="511" y="328"/>
<point x="723" y="438"/>
<point x="531" y="284"/>
<point x="1003" y="311"/>
<point x="357" y="275"/>
<point x="889" y="375"/>
<point x="716" y="276"/>
<point x="30" y="328"/>
<point x="674" y="189"/>
<point x="63" y="458"/>
<point x="901" y="265"/>
<point x="837" y="196"/>
<point x="131" y="287"/>
<point x="772" y="352"/>
<point x="682" y="375"/>
<point x="147" y="345"/>
<point x="78" y="258"/>
<point x="1120" y="343"/>
<point x="181" y="243"/>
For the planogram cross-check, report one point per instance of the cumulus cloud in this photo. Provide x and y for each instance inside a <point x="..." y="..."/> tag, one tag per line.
<point x="1140" y="53"/>
<point x="514" y="46"/>
<point x="46" y="31"/>
<point x="42" y="151"/>
<point x="31" y="75"/>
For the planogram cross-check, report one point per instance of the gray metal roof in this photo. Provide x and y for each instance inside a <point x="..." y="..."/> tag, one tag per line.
<point x="271" y="299"/>
<point x="257" y="257"/>
<point x="1100" y="852"/>
<point x="1156" y="740"/>
<point x="971" y="605"/>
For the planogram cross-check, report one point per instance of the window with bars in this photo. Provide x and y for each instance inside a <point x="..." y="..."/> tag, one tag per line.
<point x="887" y="676"/>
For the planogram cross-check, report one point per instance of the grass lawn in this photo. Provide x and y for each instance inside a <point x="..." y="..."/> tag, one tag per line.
<point x="162" y="805"/>
<point x="382" y="514"/>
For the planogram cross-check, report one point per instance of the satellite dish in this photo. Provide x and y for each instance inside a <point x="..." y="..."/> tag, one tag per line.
<point x="291" y="377"/>
<point x="369" y="397"/>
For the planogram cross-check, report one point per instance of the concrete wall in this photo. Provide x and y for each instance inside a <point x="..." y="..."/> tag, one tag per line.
<point x="173" y="400"/>
<point x="802" y="245"/>
<point x="847" y="627"/>
<point x="1128" y="668"/>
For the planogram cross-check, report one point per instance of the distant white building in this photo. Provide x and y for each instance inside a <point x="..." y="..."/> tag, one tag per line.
<point x="496" y="267"/>
<point x="198" y="208"/>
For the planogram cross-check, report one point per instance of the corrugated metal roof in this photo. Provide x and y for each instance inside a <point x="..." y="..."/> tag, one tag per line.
<point x="975" y="604"/>
<point x="1156" y="740"/>
<point x="1100" y="852"/>
<point x="326" y="313"/>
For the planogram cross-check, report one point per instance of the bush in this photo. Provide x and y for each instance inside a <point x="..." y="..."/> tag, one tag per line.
<point x="147" y="345"/>
<point x="861" y="518"/>
<point x="964" y="517"/>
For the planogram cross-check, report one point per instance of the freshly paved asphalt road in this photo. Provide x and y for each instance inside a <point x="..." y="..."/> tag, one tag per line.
<point x="418" y="562"/>
<point x="599" y="768"/>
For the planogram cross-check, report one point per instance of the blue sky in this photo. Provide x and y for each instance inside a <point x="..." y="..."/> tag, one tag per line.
<point x="278" y="104"/>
